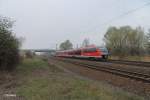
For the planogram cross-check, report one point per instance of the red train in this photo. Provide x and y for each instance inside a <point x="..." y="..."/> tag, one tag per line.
<point x="90" y="52"/>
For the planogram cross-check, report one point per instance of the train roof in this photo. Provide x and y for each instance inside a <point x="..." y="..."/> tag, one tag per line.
<point x="91" y="46"/>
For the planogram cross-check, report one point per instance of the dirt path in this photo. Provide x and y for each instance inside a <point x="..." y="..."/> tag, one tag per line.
<point x="8" y="83"/>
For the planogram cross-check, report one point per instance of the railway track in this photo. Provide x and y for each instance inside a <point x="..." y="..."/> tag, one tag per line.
<point x="110" y="69"/>
<point x="135" y="63"/>
<point x="125" y="62"/>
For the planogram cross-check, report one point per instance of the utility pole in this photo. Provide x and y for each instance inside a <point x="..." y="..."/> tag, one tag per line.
<point x="77" y="46"/>
<point x="56" y="47"/>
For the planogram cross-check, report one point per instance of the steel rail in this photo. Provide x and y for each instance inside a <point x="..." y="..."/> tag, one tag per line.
<point x="124" y="73"/>
<point x="136" y="63"/>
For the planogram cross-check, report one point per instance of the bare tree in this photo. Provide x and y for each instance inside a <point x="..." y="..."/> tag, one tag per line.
<point x="148" y="41"/>
<point x="86" y="42"/>
<point x="125" y="40"/>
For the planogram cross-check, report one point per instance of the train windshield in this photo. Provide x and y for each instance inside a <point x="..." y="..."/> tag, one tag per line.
<point x="103" y="49"/>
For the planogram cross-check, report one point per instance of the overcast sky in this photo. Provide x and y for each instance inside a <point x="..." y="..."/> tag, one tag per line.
<point x="45" y="23"/>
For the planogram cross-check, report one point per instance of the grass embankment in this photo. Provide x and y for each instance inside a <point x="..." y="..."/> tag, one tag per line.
<point x="132" y="58"/>
<point x="41" y="81"/>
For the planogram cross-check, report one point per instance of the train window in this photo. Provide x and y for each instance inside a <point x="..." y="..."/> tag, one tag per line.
<point x="89" y="50"/>
<point x="78" y="52"/>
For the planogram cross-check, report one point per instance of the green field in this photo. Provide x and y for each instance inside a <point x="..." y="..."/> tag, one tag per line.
<point x="40" y="81"/>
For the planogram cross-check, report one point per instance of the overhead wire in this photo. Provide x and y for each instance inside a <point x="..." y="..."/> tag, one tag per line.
<point x="120" y="16"/>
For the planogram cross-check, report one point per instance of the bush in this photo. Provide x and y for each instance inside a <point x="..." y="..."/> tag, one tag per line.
<point x="29" y="54"/>
<point x="9" y="46"/>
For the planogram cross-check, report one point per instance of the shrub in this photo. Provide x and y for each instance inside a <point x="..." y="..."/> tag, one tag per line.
<point x="9" y="46"/>
<point x="29" y="54"/>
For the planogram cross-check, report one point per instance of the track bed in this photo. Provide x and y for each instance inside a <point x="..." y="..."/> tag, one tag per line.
<point x="131" y="84"/>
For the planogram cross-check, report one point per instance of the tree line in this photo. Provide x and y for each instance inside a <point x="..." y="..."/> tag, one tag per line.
<point x="67" y="44"/>
<point x="127" y="41"/>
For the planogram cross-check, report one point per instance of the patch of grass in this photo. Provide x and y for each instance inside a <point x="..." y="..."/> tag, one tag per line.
<point x="28" y="65"/>
<point x="132" y="58"/>
<point x="62" y="86"/>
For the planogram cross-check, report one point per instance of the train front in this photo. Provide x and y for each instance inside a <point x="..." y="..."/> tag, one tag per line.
<point x="104" y="52"/>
